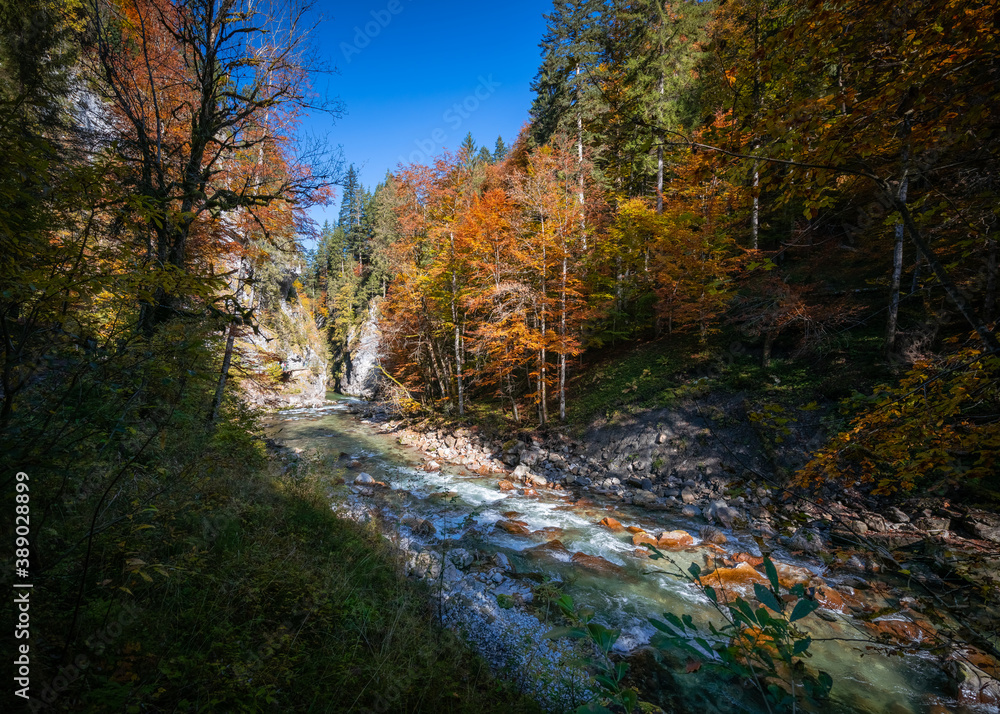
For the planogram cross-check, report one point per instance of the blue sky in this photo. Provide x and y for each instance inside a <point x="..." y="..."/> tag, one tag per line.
<point x="416" y="76"/>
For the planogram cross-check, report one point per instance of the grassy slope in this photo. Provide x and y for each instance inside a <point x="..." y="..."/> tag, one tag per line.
<point x="243" y="592"/>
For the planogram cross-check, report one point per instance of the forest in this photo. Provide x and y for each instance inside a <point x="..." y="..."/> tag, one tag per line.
<point x="814" y="180"/>
<point x="793" y="202"/>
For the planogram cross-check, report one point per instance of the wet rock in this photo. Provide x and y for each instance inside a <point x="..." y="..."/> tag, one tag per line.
<point x="753" y="560"/>
<point x="971" y="684"/>
<point x="521" y="471"/>
<point x="674" y="539"/>
<point x="739" y="580"/>
<point x="512" y="527"/>
<point x="611" y="524"/>
<point x="506" y="486"/>
<point x="792" y="575"/>
<point x="432" y="466"/>
<point x="642" y="537"/>
<point x="691" y="511"/>
<point x="364" y="478"/>
<point x="548" y="532"/>
<point x="353" y="464"/>
<point x="552" y="550"/>
<point x="597" y="564"/>
<point x="367" y="491"/>
<point x="808" y="541"/>
<point x="536" y="480"/>
<point x="530" y="492"/>
<point x="900" y="631"/>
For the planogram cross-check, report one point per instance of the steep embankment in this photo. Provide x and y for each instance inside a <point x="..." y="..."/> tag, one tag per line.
<point x="359" y="374"/>
<point x="287" y="355"/>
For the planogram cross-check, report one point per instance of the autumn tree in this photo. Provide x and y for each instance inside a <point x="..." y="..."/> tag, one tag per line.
<point x="195" y="86"/>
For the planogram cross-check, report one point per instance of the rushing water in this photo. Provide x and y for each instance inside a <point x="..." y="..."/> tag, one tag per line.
<point x="464" y="506"/>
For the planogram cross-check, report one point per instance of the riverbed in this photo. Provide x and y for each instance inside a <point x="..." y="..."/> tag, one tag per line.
<point x="445" y="523"/>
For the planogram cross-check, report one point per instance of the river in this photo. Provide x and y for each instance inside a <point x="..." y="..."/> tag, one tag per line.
<point x="464" y="507"/>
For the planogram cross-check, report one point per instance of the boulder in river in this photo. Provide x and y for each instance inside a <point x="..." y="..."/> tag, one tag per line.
<point x="506" y="486"/>
<point x="597" y="564"/>
<point x="363" y="478"/>
<point x="611" y="524"/>
<point x="512" y="527"/>
<point x="674" y="539"/>
<point x="554" y="549"/>
<point x="739" y="579"/>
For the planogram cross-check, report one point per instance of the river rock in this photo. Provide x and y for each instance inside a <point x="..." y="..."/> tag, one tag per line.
<point x="971" y="684"/>
<point x="512" y="527"/>
<point x="719" y="511"/>
<point x="642" y="537"/>
<point x="690" y="511"/>
<point x="506" y="486"/>
<point x="461" y="558"/>
<point x="553" y="549"/>
<point x="364" y="478"/>
<point x="597" y="564"/>
<point x="536" y="480"/>
<point x="985" y="526"/>
<point x="503" y="562"/>
<point x="805" y="540"/>
<point x="674" y="539"/>
<point x="611" y="524"/>
<point x="712" y="535"/>
<point x="432" y="466"/>
<point x="688" y="496"/>
<point x="739" y="580"/>
<point x="425" y="564"/>
<point x="932" y="524"/>
<point x="420" y="526"/>
<point x="897" y="516"/>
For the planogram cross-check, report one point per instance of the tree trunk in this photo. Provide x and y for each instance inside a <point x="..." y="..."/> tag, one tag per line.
<point x="765" y="356"/>
<point x="458" y="333"/>
<point x="562" y="355"/>
<point x="755" y="210"/>
<point x="659" y="159"/>
<point x="897" y="256"/>
<point x="224" y="375"/>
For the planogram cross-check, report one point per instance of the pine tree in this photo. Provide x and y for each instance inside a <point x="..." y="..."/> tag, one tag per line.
<point x="499" y="151"/>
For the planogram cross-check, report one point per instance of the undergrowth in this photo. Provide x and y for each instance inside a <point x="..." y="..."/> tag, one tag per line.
<point x="237" y="589"/>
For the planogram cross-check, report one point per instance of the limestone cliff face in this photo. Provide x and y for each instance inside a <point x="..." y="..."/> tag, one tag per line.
<point x="288" y="359"/>
<point x="359" y="373"/>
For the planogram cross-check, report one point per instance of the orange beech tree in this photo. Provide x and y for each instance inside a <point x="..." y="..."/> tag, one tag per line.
<point x="553" y="235"/>
<point x="193" y="88"/>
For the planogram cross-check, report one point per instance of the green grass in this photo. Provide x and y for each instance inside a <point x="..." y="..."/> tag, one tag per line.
<point x="251" y="596"/>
